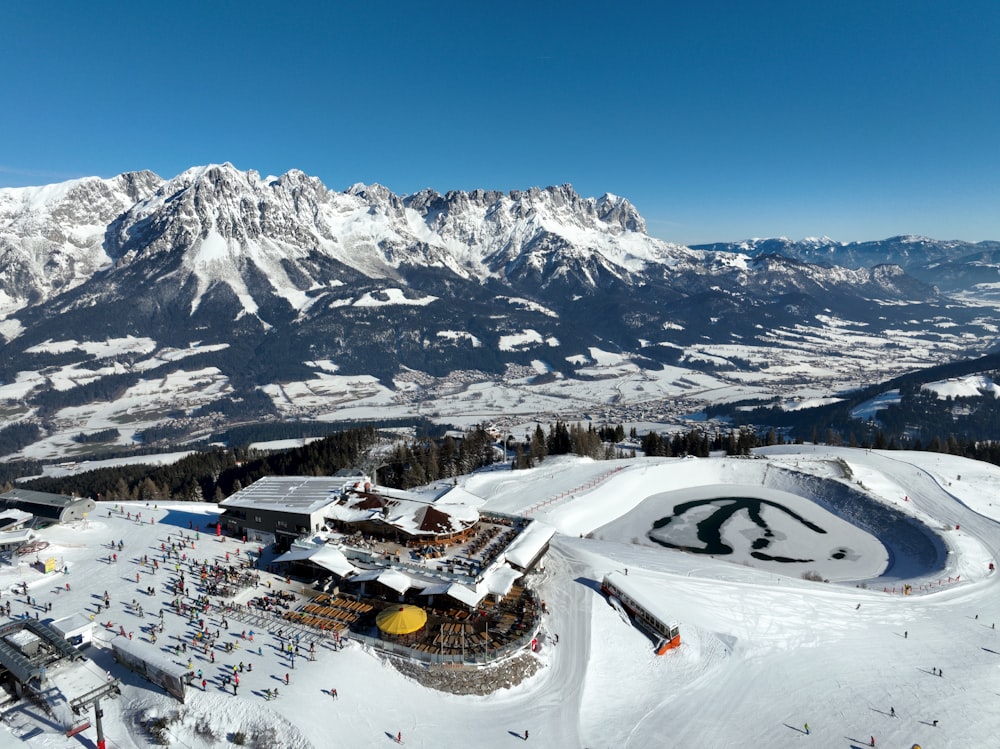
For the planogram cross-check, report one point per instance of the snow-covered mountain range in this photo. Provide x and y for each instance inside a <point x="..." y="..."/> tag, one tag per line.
<point x="222" y="231"/>
<point x="225" y="227"/>
<point x="951" y="265"/>
<point x="293" y="299"/>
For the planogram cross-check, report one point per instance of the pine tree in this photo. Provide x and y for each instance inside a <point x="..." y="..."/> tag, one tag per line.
<point x="558" y="441"/>
<point x="539" y="448"/>
<point x="448" y="456"/>
<point x="149" y="491"/>
<point x="652" y="445"/>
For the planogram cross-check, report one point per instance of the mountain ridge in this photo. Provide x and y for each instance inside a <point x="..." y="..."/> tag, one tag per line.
<point x="278" y="289"/>
<point x="953" y="265"/>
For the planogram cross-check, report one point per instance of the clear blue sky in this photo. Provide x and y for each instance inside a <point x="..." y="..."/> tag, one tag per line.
<point x="719" y="120"/>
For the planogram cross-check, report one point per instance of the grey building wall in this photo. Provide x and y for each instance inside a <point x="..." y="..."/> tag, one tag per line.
<point x="285" y="526"/>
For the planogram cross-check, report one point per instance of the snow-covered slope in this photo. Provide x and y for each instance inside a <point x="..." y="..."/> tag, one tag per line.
<point x="763" y="654"/>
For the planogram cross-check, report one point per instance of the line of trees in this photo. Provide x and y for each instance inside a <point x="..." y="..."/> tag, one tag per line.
<point x="425" y="460"/>
<point x="213" y="475"/>
<point x="16" y="436"/>
<point x="566" y="439"/>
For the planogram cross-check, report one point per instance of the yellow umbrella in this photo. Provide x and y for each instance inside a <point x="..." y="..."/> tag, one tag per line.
<point x="401" y="620"/>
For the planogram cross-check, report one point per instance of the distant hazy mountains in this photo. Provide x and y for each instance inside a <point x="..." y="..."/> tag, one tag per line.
<point x="949" y="265"/>
<point x="260" y="278"/>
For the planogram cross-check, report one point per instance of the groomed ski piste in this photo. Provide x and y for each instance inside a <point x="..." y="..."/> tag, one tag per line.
<point x="798" y="615"/>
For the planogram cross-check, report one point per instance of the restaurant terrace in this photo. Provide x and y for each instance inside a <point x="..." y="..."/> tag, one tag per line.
<point x="378" y="549"/>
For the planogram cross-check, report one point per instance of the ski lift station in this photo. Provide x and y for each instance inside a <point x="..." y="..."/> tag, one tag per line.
<point x="649" y="614"/>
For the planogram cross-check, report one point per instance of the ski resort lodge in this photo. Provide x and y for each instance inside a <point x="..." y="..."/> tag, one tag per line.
<point x="390" y="539"/>
<point x="279" y="509"/>
<point x="370" y="551"/>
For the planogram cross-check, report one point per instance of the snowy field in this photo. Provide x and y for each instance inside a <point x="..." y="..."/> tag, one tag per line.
<point x="800" y="366"/>
<point x="764" y="651"/>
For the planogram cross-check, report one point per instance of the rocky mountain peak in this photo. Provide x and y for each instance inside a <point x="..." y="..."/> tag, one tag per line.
<point x="52" y="237"/>
<point x="271" y="276"/>
<point x="617" y="211"/>
<point x="378" y="197"/>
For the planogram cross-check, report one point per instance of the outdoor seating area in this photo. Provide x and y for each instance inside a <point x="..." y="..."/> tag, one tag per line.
<point x="514" y="614"/>
<point x="488" y="544"/>
<point x="453" y="637"/>
<point x="448" y="630"/>
<point x="489" y="628"/>
<point x="227" y="582"/>
<point x="330" y="613"/>
<point x="457" y="615"/>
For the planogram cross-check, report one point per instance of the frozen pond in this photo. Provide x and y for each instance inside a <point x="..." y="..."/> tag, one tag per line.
<point x="780" y="531"/>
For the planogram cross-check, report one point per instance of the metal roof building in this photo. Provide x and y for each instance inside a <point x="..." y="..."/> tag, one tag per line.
<point x="52" y="508"/>
<point x="281" y="508"/>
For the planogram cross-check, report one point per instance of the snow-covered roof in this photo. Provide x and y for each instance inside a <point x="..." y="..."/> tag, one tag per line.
<point x="410" y="513"/>
<point x="19" y="535"/>
<point x="72" y="623"/>
<point x="459" y="495"/>
<point x="501" y="579"/>
<point x="465" y="594"/>
<point x="396" y="580"/>
<point x="332" y="559"/>
<point x="296" y="554"/>
<point x="143" y="651"/>
<point x="12" y="517"/>
<point x="294" y="494"/>
<point x="326" y="556"/>
<point x="22" y="638"/>
<point x="638" y="586"/>
<point x="366" y="575"/>
<point x="526" y="547"/>
<point x="435" y="589"/>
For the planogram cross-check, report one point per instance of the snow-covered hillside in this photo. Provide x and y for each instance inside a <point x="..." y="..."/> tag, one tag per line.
<point x="764" y="651"/>
<point x="466" y="306"/>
